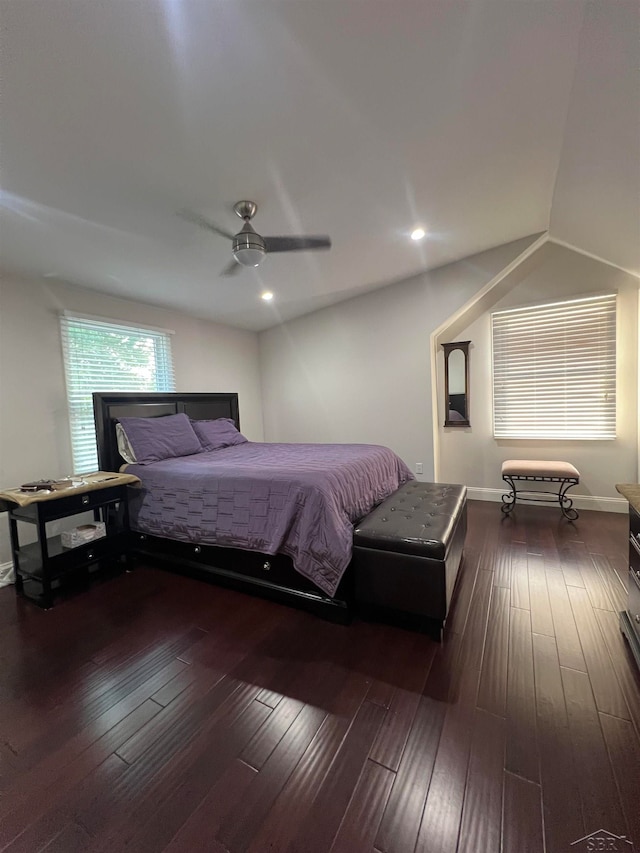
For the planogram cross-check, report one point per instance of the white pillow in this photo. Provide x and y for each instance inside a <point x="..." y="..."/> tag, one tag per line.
<point x="124" y="448"/>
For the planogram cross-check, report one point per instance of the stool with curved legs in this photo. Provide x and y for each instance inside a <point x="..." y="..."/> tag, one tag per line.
<point x="520" y="470"/>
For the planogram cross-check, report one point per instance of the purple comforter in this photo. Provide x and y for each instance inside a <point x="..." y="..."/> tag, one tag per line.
<point x="294" y="499"/>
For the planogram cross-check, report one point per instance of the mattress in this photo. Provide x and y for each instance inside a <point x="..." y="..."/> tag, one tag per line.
<point x="301" y="500"/>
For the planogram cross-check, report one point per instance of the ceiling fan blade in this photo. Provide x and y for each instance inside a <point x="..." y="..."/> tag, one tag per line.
<point x="231" y="269"/>
<point x="294" y="244"/>
<point x="200" y="220"/>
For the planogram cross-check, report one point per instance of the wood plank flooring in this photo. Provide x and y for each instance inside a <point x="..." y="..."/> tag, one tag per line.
<point x="156" y="713"/>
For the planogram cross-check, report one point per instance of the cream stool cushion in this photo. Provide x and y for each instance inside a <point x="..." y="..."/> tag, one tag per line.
<point x="537" y="468"/>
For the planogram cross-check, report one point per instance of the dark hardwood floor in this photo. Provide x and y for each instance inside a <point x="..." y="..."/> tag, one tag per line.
<point x="156" y="713"/>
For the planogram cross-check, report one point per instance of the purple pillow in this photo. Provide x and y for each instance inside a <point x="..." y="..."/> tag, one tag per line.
<point x="153" y="439"/>
<point x="221" y="432"/>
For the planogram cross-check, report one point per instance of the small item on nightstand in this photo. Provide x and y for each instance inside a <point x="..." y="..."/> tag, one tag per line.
<point x="82" y="534"/>
<point x="48" y="485"/>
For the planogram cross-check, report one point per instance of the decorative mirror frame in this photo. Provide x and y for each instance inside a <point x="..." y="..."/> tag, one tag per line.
<point x="448" y="349"/>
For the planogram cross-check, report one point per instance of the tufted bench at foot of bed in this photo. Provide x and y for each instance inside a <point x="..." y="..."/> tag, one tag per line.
<point x="407" y="552"/>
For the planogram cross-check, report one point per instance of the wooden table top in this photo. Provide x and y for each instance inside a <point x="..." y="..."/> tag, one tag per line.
<point x="80" y="484"/>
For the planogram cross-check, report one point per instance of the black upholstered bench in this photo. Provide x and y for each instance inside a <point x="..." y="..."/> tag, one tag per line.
<point x="407" y="551"/>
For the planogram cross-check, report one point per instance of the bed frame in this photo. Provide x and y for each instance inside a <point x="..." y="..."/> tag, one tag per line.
<point x="267" y="575"/>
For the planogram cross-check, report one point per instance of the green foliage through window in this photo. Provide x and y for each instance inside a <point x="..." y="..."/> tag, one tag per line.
<point x="103" y="356"/>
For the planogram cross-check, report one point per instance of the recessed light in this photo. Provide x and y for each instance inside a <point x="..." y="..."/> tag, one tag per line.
<point x="418" y="234"/>
<point x="267" y="296"/>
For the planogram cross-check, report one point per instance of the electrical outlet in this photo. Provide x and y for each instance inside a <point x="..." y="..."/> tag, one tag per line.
<point x="418" y="467"/>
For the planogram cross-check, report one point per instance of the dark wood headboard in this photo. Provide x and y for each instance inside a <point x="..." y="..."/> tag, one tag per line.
<point x="108" y="407"/>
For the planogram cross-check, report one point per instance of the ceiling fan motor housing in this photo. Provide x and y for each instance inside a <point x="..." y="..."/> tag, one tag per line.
<point x="248" y="247"/>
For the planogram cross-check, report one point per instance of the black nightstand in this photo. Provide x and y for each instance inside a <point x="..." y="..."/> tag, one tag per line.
<point x="42" y="567"/>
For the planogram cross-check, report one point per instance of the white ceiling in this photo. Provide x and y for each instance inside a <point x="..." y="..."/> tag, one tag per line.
<point x="484" y="120"/>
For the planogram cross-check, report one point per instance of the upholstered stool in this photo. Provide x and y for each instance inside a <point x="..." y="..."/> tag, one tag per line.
<point x="407" y="551"/>
<point x="534" y="471"/>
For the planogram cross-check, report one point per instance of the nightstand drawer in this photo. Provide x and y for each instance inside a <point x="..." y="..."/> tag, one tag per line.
<point x="634" y="602"/>
<point x="634" y="553"/>
<point x="63" y="507"/>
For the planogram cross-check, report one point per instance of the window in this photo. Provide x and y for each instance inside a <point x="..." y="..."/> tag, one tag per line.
<point x="554" y="370"/>
<point x="104" y="356"/>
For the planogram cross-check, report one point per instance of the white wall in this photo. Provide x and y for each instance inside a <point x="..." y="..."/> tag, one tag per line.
<point x="472" y="456"/>
<point x="34" y="429"/>
<point x="360" y="371"/>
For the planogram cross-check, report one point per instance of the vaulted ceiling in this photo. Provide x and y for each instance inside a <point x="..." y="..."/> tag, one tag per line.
<point x="483" y="121"/>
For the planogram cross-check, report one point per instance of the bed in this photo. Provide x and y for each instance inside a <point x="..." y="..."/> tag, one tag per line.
<point x="271" y="519"/>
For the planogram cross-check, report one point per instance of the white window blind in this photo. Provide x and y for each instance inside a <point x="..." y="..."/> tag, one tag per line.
<point x="104" y="356"/>
<point x="554" y="370"/>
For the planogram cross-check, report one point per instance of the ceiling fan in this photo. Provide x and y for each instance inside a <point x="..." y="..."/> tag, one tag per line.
<point x="249" y="247"/>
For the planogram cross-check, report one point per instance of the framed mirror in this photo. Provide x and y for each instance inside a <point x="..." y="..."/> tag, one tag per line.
<point x="456" y="384"/>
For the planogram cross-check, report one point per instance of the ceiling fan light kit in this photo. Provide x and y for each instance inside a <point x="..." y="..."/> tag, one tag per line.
<point x="247" y="246"/>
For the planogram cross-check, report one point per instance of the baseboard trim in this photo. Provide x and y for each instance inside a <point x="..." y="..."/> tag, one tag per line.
<point x="6" y="573"/>
<point x="579" y="501"/>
